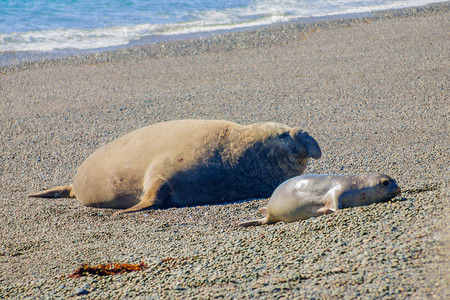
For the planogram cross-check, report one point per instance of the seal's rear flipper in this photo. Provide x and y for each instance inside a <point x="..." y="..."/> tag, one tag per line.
<point x="254" y="222"/>
<point x="65" y="191"/>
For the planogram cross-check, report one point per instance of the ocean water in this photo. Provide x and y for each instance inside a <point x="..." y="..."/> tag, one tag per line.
<point x="52" y="25"/>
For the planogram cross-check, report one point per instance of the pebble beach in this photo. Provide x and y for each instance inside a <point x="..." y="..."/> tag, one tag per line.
<point x="373" y="91"/>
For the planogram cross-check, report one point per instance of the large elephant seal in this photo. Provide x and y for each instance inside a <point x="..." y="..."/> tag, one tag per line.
<point x="307" y="196"/>
<point x="190" y="162"/>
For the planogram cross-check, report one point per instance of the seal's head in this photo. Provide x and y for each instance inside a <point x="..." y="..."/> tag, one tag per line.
<point x="384" y="187"/>
<point x="287" y="147"/>
<point x="371" y="188"/>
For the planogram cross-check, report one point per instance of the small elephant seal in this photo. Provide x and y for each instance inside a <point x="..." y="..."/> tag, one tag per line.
<point x="307" y="196"/>
<point x="188" y="163"/>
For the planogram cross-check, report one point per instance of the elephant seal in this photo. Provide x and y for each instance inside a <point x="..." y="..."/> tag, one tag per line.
<point x="190" y="162"/>
<point x="307" y="196"/>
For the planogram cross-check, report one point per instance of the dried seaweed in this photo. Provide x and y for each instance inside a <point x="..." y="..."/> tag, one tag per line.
<point x="107" y="269"/>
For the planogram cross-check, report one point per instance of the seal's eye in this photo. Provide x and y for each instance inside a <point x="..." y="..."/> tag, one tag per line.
<point x="284" y="135"/>
<point x="385" y="183"/>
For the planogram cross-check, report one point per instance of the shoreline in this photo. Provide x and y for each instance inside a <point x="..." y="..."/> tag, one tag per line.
<point x="374" y="95"/>
<point x="150" y="44"/>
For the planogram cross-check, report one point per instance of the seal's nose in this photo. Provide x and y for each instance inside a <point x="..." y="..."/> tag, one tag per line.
<point x="311" y="145"/>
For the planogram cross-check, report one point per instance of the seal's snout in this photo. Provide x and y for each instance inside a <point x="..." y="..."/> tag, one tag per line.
<point x="395" y="187"/>
<point x="311" y="145"/>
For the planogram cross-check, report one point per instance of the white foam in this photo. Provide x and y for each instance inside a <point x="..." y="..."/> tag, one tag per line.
<point x="58" y="39"/>
<point x="257" y="13"/>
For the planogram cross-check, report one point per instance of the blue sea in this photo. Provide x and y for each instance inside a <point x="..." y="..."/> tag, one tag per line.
<point x="61" y="25"/>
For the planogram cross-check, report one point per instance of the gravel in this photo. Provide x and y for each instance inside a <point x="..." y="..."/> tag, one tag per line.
<point x="372" y="91"/>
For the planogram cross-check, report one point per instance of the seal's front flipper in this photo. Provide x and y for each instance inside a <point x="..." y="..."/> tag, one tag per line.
<point x="65" y="191"/>
<point x="156" y="193"/>
<point x="330" y="204"/>
<point x="327" y="209"/>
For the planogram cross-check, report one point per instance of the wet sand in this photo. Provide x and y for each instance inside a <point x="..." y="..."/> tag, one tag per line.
<point x="372" y="91"/>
